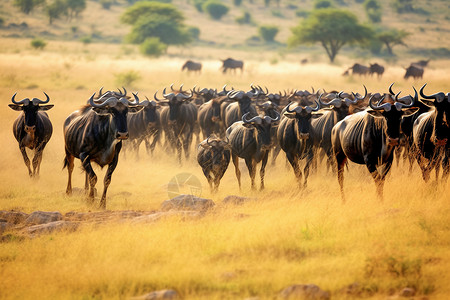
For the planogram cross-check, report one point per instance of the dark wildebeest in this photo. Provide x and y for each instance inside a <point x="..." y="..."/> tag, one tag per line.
<point x="431" y="133"/>
<point x="421" y="63"/>
<point x="370" y="137"/>
<point x="32" y="129"/>
<point x="232" y="64"/>
<point x="179" y="119"/>
<point x="271" y="109"/>
<point x="376" y="69"/>
<point x="144" y="126"/>
<point x="250" y="139"/>
<point x="210" y="118"/>
<point x="414" y="72"/>
<point x="294" y="134"/>
<point x="304" y="61"/>
<point x="192" y="66"/>
<point x="357" y="69"/>
<point x="242" y="105"/>
<point x="213" y="155"/>
<point x="95" y="134"/>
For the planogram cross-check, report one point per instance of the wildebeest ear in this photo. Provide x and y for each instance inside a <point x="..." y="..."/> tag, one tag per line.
<point x="101" y="110"/>
<point x="289" y="115"/>
<point x="46" y="107"/>
<point x="375" y="113"/>
<point x="247" y="125"/>
<point x="16" y="107"/>
<point x="410" y="111"/>
<point x="316" y="115"/>
<point x="134" y="109"/>
<point x="205" y="145"/>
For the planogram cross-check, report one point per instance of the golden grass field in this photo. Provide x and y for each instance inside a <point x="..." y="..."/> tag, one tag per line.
<point x="285" y="237"/>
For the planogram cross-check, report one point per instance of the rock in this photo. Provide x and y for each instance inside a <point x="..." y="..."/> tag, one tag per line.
<point x="353" y="289"/>
<point x="4" y="226"/>
<point x="408" y="292"/>
<point x="159" y="215"/>
<point x="163" y="294"/>
<point x="43" y="217"/>
<point x="11" y="238"/>
<point x="233" y="199"/>
<point x="304" y="291"/>
<point x="101" y="216"/>
<point x="14" y="217"/>
<point x="187" y="202"/>
<point x="51" y="227"/>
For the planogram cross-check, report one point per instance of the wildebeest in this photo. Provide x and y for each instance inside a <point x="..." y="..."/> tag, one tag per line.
<point x="431" y="133"/>
<point x="357" y="69"/>
<point x="144" y="126"/>
<point x="242" y="105"/>
<point x="250" y="139"/>
<point x="213" y="155"/>
<point x="192" y="66"/>
<point x="370" y="137"/>
<point x="421" y="63"/>
<point x="95" y="133"/>
<point x="376" y="69"/>
<point x="209" y="116"/>
<point x="414" y="72"/>
<point x="271" y="109"/>
<point x="179" y="119"/>
<point x="32" y="129"/>
<point x="294" y="134"/>
<point x="232" y="64"/>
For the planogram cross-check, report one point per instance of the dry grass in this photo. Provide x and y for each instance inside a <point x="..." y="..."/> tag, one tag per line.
<point x="284" y="237"/>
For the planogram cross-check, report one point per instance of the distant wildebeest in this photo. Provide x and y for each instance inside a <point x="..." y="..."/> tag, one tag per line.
<point x="144" y="126"/>
<point x="376" y="69"/>
<point x="213" y="155"/>
<point x="370" y="137"/>
<point x="94" y="133"/>
<point x="32" y="129"/>
<point x="431" y="133"/>
<point x="414" y="72"/>
<point x="357" y="69"/>
<point x="294" y="134"/>
<point x="232" y="64"/>
<point x="421" y="63"/>
<point x="304" y="61"/>
<point x="192" y="66"/>
<point x="250" y="139"/>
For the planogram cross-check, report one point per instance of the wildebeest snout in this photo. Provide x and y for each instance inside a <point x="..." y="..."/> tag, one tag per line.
<point x="30" y="129"/>
<point x="440" y="142"/>
<point x="303" y="136"/>
<point x="122" y="135"/>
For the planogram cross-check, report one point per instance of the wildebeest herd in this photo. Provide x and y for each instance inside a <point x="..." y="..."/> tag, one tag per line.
<point x="307" y="125"/>
<point x="415" y="70"/>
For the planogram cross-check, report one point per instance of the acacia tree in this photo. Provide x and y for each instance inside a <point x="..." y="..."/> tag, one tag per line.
<point x="332" y="28"/>
<point x="27" y="6"/>
<point x="391" y="38"/>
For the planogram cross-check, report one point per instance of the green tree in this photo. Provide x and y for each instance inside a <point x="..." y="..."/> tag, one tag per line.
<point x="403" y="6"/>
<point x="268" y="32"/>
<point x="391" y="38"/>
<point x="373" y="10"/>
<point x="145" y="9"/>
<point x="38" y="44"/>
<point x="215" y="9"/>
<point x="55" y="10"/>
<point x="332" y="28"/>
<point x="318" y="4"/>
<point x="75" y="7"/>
<point x="27" y="6"/>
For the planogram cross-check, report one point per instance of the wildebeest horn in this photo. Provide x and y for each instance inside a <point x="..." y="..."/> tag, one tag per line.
<point x="235" y="95"/>
<point x="25" y="101"/>
<point x="269" y="119"/>
<point x="183" y="96"/>
<point x="335" y="102"/>
<point x="37" y="101"/>
<point x="181" y="88"/>
<point x="256" y="119"/>
<point x="207" y="141"/>
<point x="399" y="105"/>
<point x="156" y="98"/>
<point x="171" y="95"/>
<point x="362" y="98"/>
<point x="438" y="96"/>
<point x="111" y="101"/>
<point x="100" y="92"/>
<point x="297" y="109"/>
<point x="390" y="89"/>
<point x="224" y="89"/>
<point x="136" y="100"/>
<point x="310" y="109"/>
<point x="385" y="106"/>
<point x="171" y="87"/>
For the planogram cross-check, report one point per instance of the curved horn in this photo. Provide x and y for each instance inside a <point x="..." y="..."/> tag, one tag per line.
<point x="110" y="100"/>
<point x="272" y="119"/>
<point x="256" y="119"/>
<point x="400" y="105"/>
<point x="183" y="96"/>
<point x="181" y="88"/>
<point x="171" y="95"/>
<point x="136" y="100"/>
<point x="25" y="101"/>
<point x="385" y="106"/>
<point x="390" y="89"/>
<point x="439" y="97"/>
<point x="356" y="96"/>
<point x="207" y="141"/>
<point x="100" y="92"/>
<point x="171" y="87"/>
<point x="309" y="109"/>
<point x="297" y="109"/>
<point x="335" y="102"/>
<point x="37" y="101"/>
<point x="156" y="98"/>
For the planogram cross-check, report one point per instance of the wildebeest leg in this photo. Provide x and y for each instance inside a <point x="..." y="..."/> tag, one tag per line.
<point x="92" y="178"/>
<point x="216" y="182"/>
<point x="251" y="166"/>
<point x="398" y="154"/>
<point x="293" y="160"/>
<point x="341" y="160"/>
<point x="309" y="159"/>
<point x="26" y="160"/>
<point x="445" y="167"/>
<point x="379" y="180"/>
<point x="107" y="180"/>
<point x="38" y="158"/>
<point x="236" y="169"/>
<point x="424" y="167"/>
<point x="208" y="176"/>
<point x="276" y="150"/>
<point x="262" y="172"/>
<point x="69" y="163"/>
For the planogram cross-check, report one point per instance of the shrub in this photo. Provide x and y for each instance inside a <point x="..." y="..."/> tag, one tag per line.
<point x="237" y="2"/>
<point x="318" y="4"/>
<point x="215" y="9"/>
<point x="301" y="13"/>
<point x="153" y="47"/>
<point x="106" y="4"/>
<point x="198" y="4"/>
<point x="38" y="44"/>
<point x="86" y="40"/>
<point x="277" y="13"/>
<point x="246" y="18"/>
<point x="268" y="32"/>
<point x="2" y="22"/>
<point x="127" y="78"/>
<point x="194" y="32"/>
<point x="373" y="10"/>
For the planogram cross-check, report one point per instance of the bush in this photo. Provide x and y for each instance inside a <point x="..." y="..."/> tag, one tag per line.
<point x="268" y="32"/>
<point x="301" y="13"/>
<point x="373" y="10"/>
<point x="277" y="13"/>
<point x="86" y="40"/>
<point x="38" y="44"/>
<point x="198" y="4"/>
<point x="318" y="4"/>
<point x="2" y="22"/>
<point x="127" y="78"/>
<point x="194" y="32"/>
<point x="153" y="47"/>
<point x="403" y="6"/>
<point x="106" y="4"/>
<point x="246" y="18"/>
<point x="215" y="9"/>
<point x="237" y="2"/>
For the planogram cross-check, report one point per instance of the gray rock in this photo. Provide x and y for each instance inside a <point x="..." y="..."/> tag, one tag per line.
<point x="51" y="227"/>
<point x="236" y="200"/>
<point x="43" y="217"/>
<point x="160" y="215"/>
<point x="156" y="295"/>
<point x="187" y="202"/>
<point x="304" y="291"/>
<point x="408" y="292"/>
<point x="14" y="217"/>
<point x="4" y="226"/>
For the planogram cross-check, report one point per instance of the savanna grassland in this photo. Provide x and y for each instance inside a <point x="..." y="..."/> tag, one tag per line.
<point x="285" y="236"/>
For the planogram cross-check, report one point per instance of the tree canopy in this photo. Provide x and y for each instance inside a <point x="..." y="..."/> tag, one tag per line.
<point x="391" y="38"/>
<point x="332" y="28"/>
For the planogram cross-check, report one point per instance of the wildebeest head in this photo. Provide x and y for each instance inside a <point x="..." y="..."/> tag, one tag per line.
<point x="217" y="148"/>
<point x="303" y="116"/>
<point x="174" y="100"/>
<point x="393" y="112"/>
<point x="30" y="109"/>
<point x="149" y="110"/>
<point x="262" y="125"/>
<point x="244" y="99"/>
<point x="117" y="108"/>
<point x="341" y="101"/>
<point x="441" y="102"/>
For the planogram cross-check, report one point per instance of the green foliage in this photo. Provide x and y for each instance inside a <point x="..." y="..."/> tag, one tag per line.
<point x="301" y="13"/>
<point x="237" y="2"/>
<point x="153" y="47"/>
<point x="246" y="18"/>
<point x="38" y="43"/>
<point x="277" y="13"/>
<point x="2" y="22"/>
<point x="27" y="6"/>
<point x="198" y="4"/>
<point x="194" y="32"/>
<point x="266" y="3"/>
<point x="332" y="28"/>
<point x="55" y="10"/>
<point x="268" y="32"/>
<point x="318" y="4"/>
<point x="403" y="6"/>
<point x="127" y="78"/>
<point x="86" y="40"/>
<point x="374" y="10"/>
<point x="391" y="38"/>
<point x="75" y="7"/>
<point x="106" y="4"/>
<point x="146" y="9"/>
<point x="215" y="9"/>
